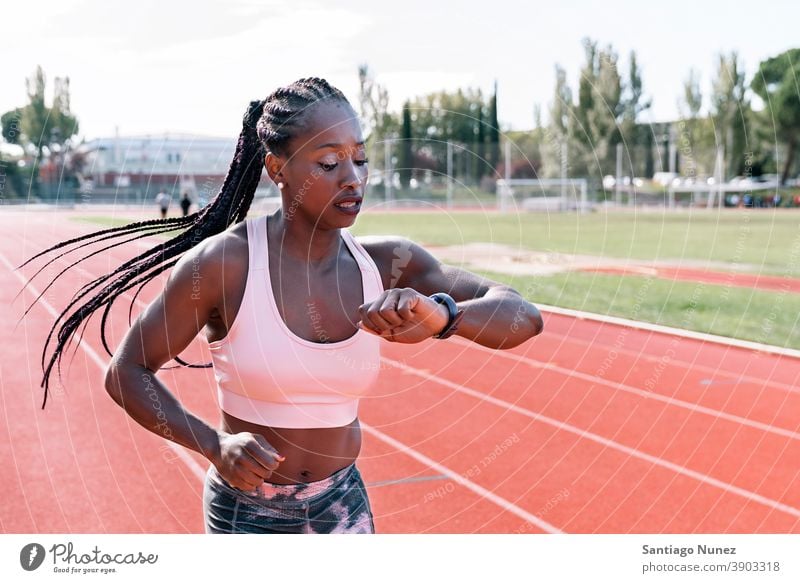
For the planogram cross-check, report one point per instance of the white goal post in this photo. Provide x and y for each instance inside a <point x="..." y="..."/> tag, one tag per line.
<point x="545" y="194"/>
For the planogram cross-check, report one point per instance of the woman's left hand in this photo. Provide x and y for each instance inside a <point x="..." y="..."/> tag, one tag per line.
<point x="403" y="315"/>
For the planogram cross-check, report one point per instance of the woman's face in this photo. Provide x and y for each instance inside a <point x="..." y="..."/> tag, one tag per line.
<point x="325" y="172"/>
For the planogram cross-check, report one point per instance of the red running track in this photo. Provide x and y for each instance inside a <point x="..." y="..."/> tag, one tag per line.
<point x="728" y="279"/>
<point x="591" y="427"/>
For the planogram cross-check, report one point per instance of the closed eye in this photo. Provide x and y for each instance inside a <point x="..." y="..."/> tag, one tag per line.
<point x="330" y="167"/>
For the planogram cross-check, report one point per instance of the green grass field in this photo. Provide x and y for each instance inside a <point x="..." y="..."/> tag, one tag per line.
<point x="758" y="237"/>
<point x="761" y="316"/>
<point x="763" y="240"/>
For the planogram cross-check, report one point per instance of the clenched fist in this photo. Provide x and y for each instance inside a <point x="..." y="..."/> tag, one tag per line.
<point x="403" y="315"/>
<point x="246" y="460"/>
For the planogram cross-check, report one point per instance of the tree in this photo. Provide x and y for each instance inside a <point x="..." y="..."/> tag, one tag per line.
<point x="695" y="133"/>
<point x="374" y="105"/>
<point x="36" y="115"/>
<point x="603" y="112"/>
<point x="633" y="105"/>
<point x="406" y="161"/>
<point x="441" y="117"/>
<point x="776" y="84"/>
<point x="42" y="125"/>
<point x="45" y="128"/>
<point x="480" y="148"/>
<point x="692" y="95"/>
<point x="729" y="111"/>
<point x="37" y="123"/>
<point x="558" y="132"/>
<point x="493" y="135"/>
<point x="561" y="108"/>
<point x="526" y="153"/>
<point x="599" y="110"/>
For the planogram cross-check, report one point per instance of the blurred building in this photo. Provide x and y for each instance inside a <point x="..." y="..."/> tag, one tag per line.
<point x="138" y="167"/>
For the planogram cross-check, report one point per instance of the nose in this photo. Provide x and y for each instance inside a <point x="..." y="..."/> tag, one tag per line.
<point x="353" y="177"/>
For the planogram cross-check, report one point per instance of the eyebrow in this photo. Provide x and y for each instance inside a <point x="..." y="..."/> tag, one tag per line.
<point x="335" y="145"/>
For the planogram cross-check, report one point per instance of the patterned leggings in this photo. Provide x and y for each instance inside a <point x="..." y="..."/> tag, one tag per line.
<point x="336" y="504"/>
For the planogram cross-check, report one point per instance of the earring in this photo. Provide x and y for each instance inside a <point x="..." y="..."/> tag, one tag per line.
<point x="280" y="185"/>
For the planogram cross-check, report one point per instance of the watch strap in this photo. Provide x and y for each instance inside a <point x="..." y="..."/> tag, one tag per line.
<point x="452" y="327"/>
<point x="454" y="315"/>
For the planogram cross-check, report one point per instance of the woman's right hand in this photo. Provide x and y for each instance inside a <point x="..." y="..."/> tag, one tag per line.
<point x="246" y="459"/>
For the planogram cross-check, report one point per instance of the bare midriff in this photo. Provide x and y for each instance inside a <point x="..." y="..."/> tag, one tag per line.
<point x="311" y="454"/>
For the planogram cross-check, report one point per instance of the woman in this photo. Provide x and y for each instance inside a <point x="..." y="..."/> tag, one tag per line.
<point x="294" y="309"/>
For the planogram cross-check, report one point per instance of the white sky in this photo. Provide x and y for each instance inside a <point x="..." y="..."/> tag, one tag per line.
<point x="172" y="65"/>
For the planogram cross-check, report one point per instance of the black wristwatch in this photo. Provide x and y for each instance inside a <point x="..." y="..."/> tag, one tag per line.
<point x="454" y="314"/>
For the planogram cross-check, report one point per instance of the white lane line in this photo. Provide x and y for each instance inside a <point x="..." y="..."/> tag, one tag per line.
<point x="582" y="433"/>
<point x="639" y="392"/>
<point x="735" y="377"/>
<point x="179" y="450"/>
<point x="746" y="344"/>
<point x="456" y="477"/>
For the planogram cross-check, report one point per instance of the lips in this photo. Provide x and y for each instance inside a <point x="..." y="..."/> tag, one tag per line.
<point x="349" y="199"/>
<point x="349" y="204"/>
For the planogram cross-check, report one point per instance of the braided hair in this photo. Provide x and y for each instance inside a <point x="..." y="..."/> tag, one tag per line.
<point x="268" y="125"/>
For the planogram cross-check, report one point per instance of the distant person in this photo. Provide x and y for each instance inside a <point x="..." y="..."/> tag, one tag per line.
<point x="186" y="202"/>
<point x="163" y="200"/>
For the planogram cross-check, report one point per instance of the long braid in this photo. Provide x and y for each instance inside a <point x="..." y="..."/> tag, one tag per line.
<point x="268" y="124"/>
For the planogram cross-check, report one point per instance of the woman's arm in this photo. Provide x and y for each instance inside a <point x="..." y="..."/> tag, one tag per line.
<point x="160" y="333"/>
<point x="498" y="318"/>
<point x="495" y="315"/>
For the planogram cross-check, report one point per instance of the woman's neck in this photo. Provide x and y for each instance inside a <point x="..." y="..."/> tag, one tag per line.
<point x="301" y="241"/>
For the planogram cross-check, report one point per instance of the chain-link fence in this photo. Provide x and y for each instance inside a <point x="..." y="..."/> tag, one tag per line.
<point x="668" y="171"/>
<point x="404" y="172"/>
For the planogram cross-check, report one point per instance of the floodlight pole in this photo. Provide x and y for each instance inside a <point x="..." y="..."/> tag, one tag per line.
<point x="618" y="183"/>
<point x="449" y="174"/>
<point x="564" y="173"/>
<point x="508" y="160"/>
<point x="387" y="163"/>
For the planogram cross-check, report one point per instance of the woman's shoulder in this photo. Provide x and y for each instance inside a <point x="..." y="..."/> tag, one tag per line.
<point x="234" y="237"/>
<point x="393" y="255"/>
<point x="220" y="256"/>
<point x="225" y="246"/>
<point x="381" y="246"/>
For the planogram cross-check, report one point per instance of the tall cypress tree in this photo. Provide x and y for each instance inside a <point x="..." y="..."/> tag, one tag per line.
<point x="494" y="131"/>
<point x="406" y="158"/>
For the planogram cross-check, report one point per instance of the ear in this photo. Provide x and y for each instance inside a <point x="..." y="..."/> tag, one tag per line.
<point x="274" y="166"/>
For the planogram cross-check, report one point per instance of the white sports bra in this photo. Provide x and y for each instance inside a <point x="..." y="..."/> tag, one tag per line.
<point x="268" y="375"/>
